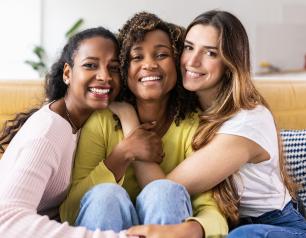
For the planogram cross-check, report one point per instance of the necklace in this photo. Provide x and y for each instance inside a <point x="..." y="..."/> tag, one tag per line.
<point x="74" y="127"/>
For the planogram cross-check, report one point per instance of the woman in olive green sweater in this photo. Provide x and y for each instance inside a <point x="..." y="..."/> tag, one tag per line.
<point x="107" y="188"/>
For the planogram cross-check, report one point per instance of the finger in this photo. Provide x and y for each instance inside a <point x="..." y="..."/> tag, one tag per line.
<point x="137" y="231"/>
<point x="148" y="125"/>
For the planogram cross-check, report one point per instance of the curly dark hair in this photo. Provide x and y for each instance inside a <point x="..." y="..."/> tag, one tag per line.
<point x="55" y="88"/>
<point x="181" y="102"/>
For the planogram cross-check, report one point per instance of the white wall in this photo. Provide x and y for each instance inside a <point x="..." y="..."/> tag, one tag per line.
<point x="20" y="28"/>
<point x="276" y="28"/>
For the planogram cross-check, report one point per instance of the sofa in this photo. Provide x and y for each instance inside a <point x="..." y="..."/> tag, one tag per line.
<point x="287" y="99"/>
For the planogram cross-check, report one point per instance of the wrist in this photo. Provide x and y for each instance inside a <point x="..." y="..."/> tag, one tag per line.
<point x="117" y="161"/>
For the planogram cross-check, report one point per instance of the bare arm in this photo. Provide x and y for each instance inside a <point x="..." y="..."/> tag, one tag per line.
<point x="129" y="122"/>
<point x="223" y="156"/>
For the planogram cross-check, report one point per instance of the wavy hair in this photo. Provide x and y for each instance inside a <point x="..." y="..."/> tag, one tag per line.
<point x="181" y="102"/>
<point x="237" y="92"/>
<point x="55" y="88"/>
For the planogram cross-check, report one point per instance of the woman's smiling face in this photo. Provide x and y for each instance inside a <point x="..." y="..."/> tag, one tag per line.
<point x="201" y="63"/>
<point x="95" y="76"/>
<point x="152" y="72"/>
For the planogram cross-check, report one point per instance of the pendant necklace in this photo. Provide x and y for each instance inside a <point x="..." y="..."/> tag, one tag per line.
<point x="74" y="127"/>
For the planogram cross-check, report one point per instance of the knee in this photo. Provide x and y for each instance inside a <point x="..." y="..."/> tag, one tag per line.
<point x="104" y="194"/>
<point x="164" y="188"/>
<point x="243" y="231"/>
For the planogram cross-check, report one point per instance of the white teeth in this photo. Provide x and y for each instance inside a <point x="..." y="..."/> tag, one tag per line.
<point x="99" y="90"/>
<point x="150" y="78"/>
<point x="193" y="74"/>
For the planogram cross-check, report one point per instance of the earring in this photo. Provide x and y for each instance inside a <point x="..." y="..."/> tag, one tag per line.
<point x="66" y="81"/>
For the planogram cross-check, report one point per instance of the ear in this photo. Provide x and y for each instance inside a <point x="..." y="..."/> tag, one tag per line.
<point x="67" y="71"/>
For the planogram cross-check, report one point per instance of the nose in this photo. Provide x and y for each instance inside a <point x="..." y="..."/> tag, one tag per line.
<point x="193" y="59"/>
<point x="103" y="75"/>
<point x="149" y="64"/>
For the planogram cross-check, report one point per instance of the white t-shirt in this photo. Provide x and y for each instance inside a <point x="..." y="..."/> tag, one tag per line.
<point x="35" y="176"/>
<point x="260" y="185"/>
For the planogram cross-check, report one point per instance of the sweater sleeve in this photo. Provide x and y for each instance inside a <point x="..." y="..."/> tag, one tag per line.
<point x="206" y="212"/>
<point x="22" y="191"/>
<point x="89" y="169"/>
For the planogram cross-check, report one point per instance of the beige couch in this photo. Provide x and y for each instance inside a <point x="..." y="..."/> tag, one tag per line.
<point x="287" y="99"/>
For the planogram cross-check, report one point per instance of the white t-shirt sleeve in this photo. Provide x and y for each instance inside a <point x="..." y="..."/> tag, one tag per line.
<point x="256" y="125"/>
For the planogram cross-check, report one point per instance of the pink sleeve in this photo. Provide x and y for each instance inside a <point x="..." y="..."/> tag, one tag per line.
<point x="21" y="191"/>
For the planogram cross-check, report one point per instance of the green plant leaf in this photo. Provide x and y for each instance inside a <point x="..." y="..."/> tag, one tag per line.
<point x="36" y="65"/>
<point x="39" y="51"/>
<point x="74" y="28"/>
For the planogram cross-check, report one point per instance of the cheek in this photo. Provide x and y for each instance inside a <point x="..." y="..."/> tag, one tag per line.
<point x="183" y="58"/>
<point x="116" y="84"/>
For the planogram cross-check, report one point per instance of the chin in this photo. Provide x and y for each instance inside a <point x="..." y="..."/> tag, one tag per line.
<point x="190" y="87"/>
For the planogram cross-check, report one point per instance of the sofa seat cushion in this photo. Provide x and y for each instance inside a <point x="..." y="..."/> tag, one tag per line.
<point x="294" y="146"/>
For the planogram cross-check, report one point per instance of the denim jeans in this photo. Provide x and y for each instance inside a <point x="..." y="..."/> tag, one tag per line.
<point x="286" y="223"/>
<point x="109" y="207"/>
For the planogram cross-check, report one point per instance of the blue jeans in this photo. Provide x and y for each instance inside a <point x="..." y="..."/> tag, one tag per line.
<point x="288" y="223"/>
<point x="109" y="207"/>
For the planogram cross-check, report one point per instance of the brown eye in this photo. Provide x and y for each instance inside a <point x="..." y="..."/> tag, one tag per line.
<point x="188" y="47"/>
<point x="114" y="69"/>
<point x="90" y="65"/>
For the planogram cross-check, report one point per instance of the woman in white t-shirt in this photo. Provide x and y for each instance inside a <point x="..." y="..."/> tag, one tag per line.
<point x="237" y="149"/>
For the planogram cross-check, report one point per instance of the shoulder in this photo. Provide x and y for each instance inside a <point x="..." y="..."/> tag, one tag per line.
<point x="192" y="120"/>
<point x="186" y="128"/>
<point x="48" y="128"/>
<point x="46" y="123"/>
<point x="256" y="124"/>
<point x="100" y="120"/>
<point x="255" y="117"/>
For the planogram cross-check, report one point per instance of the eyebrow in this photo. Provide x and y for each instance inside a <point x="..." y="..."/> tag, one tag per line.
<point x="155" y="46"/>
<point x="116" y="60"/>
<point x="204" y="46"/>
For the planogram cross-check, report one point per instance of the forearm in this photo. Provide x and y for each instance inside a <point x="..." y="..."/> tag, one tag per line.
<point x="127" y="115"/>
<point x="147" y="172"/>
<point x="118" y="160"/>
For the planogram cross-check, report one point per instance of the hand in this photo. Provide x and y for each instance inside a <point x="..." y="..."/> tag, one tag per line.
<point x="143" y="144"/>
<point x="190" y="229"/>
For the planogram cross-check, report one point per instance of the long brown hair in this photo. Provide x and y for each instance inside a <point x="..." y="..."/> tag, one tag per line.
<point x="237" y="92"/>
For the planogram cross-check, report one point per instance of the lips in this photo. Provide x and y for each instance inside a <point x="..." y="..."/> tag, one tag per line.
<point x="193" y="75"/>
<point x="100" y="92"/>
<point x="150" y="78"/>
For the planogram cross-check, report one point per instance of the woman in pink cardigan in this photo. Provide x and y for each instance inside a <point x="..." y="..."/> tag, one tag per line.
<point x="36" y="166"/>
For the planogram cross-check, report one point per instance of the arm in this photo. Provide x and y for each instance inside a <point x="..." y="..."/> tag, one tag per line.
<point x="102" y="156"/>
<point x="23" y="187"/>
<point x="212" y="164"/>
<point x="129" y="121"/>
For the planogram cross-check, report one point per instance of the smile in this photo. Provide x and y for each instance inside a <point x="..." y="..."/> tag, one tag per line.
<point x="100" y="91"/>
<point x="150" y="78"/>
<point x="192" y="74"/>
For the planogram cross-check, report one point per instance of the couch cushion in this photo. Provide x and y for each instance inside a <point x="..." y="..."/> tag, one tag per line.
<point x="294" y="145"/>
<point x="19" y="96"/>
<point x="287" y="99"/>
